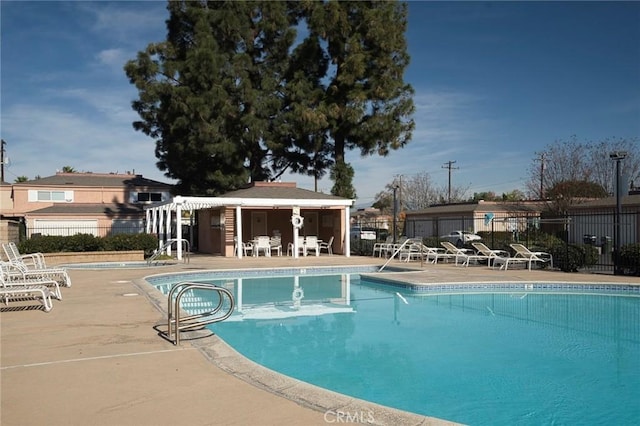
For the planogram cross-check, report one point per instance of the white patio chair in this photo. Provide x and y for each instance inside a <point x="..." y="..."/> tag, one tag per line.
<point x="276" y="245"/>
<point x="327" y="246"/>
<point x="311" y="244"/>
<point x="247" y="248"/>
<point x="291" y="247"/>
<point x="262" y="245"/>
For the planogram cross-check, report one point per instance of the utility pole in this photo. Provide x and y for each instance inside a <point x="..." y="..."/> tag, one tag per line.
<point x="541" y="159"/>
<point x="2" y="144"/>
<point x="449" y="165"/>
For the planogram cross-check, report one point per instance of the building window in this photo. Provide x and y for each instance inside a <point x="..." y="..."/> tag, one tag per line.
<point x="144" y="197"/>
<point x="55" y="196"/>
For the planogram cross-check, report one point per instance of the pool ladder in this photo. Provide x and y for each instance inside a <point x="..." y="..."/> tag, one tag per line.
<point x="177" y="323"/>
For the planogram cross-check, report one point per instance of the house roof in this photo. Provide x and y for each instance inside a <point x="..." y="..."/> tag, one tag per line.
<point x="95" y="179"/>
<point x="609" y="202"/>
<point x="87" y="208"/>
<point x="279" y="190"/>
<point x="259" y="194"/>
<point x="480" y="207"/>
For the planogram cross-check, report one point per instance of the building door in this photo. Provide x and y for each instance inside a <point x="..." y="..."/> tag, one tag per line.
<point x="310" y="224"/>
<point x="258" y="224"/>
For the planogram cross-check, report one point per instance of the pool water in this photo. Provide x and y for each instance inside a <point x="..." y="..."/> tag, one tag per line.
<point x="488" y="358"/>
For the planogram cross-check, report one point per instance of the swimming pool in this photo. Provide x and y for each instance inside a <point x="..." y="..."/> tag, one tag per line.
<point x="509" y="354"/>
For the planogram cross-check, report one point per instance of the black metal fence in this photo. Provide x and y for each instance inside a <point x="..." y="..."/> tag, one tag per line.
<point x="97" y="231"/>
<point x="595" y="228"/>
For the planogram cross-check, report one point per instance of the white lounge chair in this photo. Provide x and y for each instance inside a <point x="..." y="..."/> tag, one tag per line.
<point x="493" y="256"/>
<point x="34" y="264"/>
<point x="31" y="260"/>
<point x="13" y="274"/>
<point x="464" y="256"/>
<point x="12" y="288"/>
<point x="540" y="257"/>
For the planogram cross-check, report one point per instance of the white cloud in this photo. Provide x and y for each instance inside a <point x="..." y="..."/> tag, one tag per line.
<point x="114" y="59"/>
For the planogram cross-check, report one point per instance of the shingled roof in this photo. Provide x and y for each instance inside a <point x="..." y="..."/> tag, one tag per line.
<point x="96" y="179"/>
<point x="279" y="190"/>
<point x="88" y="208"/>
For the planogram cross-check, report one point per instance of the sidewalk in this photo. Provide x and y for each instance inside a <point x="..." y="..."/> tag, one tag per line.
<point x="96" y="358"/>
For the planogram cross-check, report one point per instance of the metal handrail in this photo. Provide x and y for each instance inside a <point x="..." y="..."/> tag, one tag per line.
<point x="186" y="248"/>
<point x="395" y="253"/>
<point x="174" y="325"/>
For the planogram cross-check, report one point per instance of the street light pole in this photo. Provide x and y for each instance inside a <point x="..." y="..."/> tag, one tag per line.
<point x="395" y="214"/>
<point x="617" y="156"/>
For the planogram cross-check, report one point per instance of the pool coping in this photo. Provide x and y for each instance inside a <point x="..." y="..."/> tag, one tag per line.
<point x="225" y="357"/>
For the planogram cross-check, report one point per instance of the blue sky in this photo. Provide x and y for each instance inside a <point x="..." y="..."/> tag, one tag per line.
<point x="495" y="83"/>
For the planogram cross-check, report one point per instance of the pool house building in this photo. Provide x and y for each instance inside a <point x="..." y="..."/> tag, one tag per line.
<point x="275" y="209"/>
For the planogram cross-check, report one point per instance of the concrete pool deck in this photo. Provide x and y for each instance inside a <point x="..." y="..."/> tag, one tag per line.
<point x="97" y="359"/>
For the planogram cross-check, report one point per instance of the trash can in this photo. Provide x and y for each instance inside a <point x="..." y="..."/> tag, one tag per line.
<point x="589" y="239"/>
<point x="605" y="243"/>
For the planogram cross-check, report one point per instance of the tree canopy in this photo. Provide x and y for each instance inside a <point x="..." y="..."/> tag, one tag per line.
<point x="245" y="91"/>
<point x="573" y="160"/>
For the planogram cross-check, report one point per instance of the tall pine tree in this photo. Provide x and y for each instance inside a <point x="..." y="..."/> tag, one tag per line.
<point x="233" y="95"/>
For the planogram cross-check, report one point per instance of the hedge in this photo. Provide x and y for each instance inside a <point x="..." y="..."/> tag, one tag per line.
<point x="87" y="242"/>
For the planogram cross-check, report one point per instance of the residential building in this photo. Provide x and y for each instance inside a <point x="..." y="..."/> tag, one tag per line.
<point x="496" y="216"/>
<point x="70" y="203"/>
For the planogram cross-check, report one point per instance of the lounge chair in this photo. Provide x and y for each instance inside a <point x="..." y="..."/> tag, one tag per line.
<point x="493" y="256"/>
<point x="462" y="255"/>
<point x="31" y="260"/>
<point x="15" y="288"/>
<point x="34" y="264"/>
<point x="13" y="274"/>
<point x="327" y="246"/>
<point x="540" y="257"/>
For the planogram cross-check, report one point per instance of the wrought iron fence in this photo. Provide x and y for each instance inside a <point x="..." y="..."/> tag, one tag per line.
<point x="595" y="228"/>
<point x="97" y="231"/>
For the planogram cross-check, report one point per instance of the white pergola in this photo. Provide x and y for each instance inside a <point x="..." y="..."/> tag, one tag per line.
<point x="159" y="216"/>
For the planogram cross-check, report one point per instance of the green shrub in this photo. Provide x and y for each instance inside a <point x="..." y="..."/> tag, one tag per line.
<point x="572" y="257"/>
<point x="146" y="242"/>
<point x="630" y="259"/>
<point x="87" y="242"/>
<point x="83" y="242"/>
